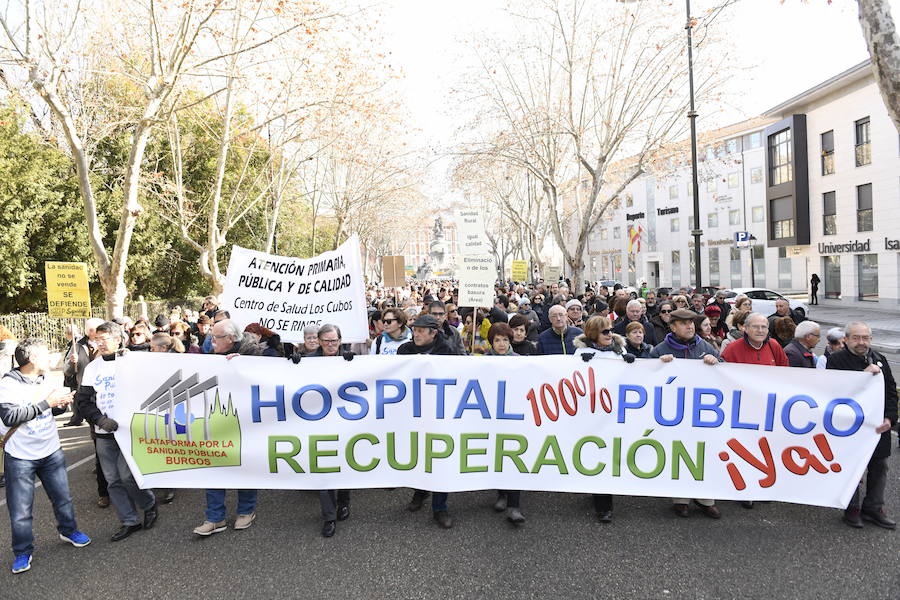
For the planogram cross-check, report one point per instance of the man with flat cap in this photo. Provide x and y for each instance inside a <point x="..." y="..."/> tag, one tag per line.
<point x="428" y="340"/>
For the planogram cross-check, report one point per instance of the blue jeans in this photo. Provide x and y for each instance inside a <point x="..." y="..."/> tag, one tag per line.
<point x="20" y="497"/>
<point x="124" y="494"/>
<point x="215" y="504"/>
<point x="439" y="501"/>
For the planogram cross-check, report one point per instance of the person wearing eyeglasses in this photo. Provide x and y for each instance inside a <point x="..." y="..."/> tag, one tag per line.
<point x="599" y="341"/>
<point x="660" y="321"/>
<point x="230" y="341"/>
<point x="395" y="332"/>
<point x="560" y="338"/>
<point x="335" y="504"/>
<point x="858" y="355"/>
<point x="742" y="304"/>
<point x="438" y="310"/>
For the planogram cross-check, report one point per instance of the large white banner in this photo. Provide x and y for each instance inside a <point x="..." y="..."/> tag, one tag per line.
<point x="286" y="294"/>
<point x="446" y="423"/>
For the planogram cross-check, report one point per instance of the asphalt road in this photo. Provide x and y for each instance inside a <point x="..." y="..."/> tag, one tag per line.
<point x="773" y="551"/>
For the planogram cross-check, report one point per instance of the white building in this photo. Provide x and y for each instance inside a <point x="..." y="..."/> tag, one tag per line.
<point x="816" y="183"/>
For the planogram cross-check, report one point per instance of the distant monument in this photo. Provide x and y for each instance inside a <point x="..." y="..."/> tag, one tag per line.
<point x="439" y="263"/>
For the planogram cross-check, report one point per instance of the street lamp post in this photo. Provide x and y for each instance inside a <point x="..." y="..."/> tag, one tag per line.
<point x="692" y="115"/>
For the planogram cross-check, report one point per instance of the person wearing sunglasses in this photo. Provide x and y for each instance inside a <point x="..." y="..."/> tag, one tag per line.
<point x="139" y="340"/>
<point x="599" y="341"/>
<point x="395" y="332"/>
<point x="660" y="321"/>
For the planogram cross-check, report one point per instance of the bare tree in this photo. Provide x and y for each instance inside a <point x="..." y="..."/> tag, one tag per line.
<point x="62" y="48"/>
<point x="587" y="89"/>
<point x="884" y="48"/>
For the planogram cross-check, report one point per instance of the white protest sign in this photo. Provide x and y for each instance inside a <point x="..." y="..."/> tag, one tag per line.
<point x="470" y="232"/>
<point x="286" y="294"/>
<point x="682" y="429"/>
<point x="477" y="275"/>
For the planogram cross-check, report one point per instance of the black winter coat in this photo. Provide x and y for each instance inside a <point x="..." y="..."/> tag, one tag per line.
<point x="844" y="360"/>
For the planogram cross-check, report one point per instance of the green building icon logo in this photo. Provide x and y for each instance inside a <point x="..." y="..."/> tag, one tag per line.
<point x="167" y="435"/>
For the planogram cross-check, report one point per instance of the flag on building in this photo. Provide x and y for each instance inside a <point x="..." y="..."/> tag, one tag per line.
<point x="634" y="238"/>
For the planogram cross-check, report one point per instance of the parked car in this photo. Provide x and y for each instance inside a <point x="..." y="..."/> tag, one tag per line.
<point x="708" y="291"/>
<point x="763" y="300"/>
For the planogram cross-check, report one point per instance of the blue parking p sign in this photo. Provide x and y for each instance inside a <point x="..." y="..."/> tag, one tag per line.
<point x="741" y="236"/>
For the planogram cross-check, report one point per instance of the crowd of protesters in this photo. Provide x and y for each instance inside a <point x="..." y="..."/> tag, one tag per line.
<point x="423" y="318"/>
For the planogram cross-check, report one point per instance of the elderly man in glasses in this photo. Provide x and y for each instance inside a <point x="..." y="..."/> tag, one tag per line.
<point x="859" y="356"/>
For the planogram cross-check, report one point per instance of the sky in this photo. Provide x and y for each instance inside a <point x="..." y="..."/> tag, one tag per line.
<point x="783" y="46"/>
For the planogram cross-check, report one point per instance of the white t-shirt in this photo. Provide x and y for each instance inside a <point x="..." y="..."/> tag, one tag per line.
<point x="387" y="344"/>
<point x="34" y="439"/>
<point x="101" y="375"/>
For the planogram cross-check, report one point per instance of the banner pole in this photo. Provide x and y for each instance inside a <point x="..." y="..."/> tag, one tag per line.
<point x="474" y="327"/>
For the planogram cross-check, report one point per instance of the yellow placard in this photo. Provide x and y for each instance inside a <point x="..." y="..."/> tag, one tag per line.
<point x="520" y="270"/>
<point x="68" y="293"/>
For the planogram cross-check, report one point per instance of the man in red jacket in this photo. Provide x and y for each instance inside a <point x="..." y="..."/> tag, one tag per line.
<point x="756" y="348"/>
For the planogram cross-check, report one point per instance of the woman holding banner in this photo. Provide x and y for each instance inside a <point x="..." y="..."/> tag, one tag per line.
<point x="599" y="340"/>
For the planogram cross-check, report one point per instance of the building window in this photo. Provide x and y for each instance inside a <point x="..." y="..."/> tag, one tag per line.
<point x="734" y="217"/>
<point x="781" y="217"/>
<point x="756" y="175"/>
<point x="828" y="153"/>
<point x="783" y="229"/>
<point x="617" y="232"/>
<point x="785" y="276"/>
<point x="674" y="224"/>
<point x="732" y="146"/>
<point x="863" y="143"/>
<point x="676" y="268"/>
<point x="758" y="214"/>
<point x="867" y="276"/>
<point x="864" y="207"/>
<point x="690" y="189"/>
<point x="759" y="264"/>
<point x="735" y="263"/>
<point x="829" y="214"/>
<point x="780" y="156"/>
<point x="755" y="140"/>
<point x="673" y="192"/>
<point x="832" y="269"/>
<point x="712" y="219"/>
<point x="629" y="200"/>
<point x="714" y="266"/>
<point x="734" y="179"/>
<point x="711" y="185"/>
<point x="604" y="234"/>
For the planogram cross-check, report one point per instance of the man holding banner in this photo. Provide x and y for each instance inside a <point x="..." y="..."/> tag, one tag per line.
<point x="96" y="397"/>
<point x="858" y="355"/>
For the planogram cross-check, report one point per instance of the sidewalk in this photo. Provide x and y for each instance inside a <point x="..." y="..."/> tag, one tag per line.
<point x="885" y="323"/>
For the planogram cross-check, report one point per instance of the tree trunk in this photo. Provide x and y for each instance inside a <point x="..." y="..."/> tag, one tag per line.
<point x="884" y="48"/>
